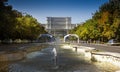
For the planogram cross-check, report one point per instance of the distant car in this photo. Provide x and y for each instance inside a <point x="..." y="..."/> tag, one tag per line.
<point x="113" y="42"/>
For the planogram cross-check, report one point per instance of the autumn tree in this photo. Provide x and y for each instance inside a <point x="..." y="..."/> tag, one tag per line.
<point x="104" y="25"/>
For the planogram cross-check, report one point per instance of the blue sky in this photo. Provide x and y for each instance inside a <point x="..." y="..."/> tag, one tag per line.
<point x="79" y="10"/>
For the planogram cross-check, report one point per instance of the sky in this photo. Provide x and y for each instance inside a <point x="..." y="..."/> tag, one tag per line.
<point x="78" y="10"/>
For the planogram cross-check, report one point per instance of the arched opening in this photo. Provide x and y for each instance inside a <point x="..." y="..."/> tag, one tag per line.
<point x="74" y="35"/>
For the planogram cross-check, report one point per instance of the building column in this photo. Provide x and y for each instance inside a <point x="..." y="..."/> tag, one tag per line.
<point x="49" y="24"/>
<point x="67" y="25"/>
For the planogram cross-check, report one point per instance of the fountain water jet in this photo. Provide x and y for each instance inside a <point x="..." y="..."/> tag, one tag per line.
<point x="55" y="58"/>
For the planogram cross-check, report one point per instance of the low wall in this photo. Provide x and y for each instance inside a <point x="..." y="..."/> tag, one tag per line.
<point x="113" y="58"/>
<point x="86" y="51"/>
<point x="94" y="55"/>
<point x="12" y="56"/>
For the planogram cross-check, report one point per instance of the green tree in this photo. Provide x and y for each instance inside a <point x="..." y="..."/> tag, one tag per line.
<point x="7" y="20"/>
<point x="28" y="28"/>
<point x="15" y="25"/>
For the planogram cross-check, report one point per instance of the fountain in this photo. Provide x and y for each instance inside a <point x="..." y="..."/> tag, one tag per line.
<point x="54" y="52"/>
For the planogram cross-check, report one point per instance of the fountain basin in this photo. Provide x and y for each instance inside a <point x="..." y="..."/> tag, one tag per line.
<point x="12" y="56"/>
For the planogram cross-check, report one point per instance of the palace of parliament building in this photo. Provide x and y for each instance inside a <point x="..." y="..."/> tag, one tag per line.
<point x="59" y="26"/>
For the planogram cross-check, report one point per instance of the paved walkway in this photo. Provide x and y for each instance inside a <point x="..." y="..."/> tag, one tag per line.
<point x="103" y="47"/>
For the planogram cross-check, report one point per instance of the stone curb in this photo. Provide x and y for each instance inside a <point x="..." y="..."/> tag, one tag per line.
<point x="12" y="56"/>
<point x="95" y="55"/>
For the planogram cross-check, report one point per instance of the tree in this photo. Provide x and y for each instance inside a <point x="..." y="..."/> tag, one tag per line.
<point x="104" y="25"/>
<point x="28" y="28"/>
<point x="15" y="25"/>
<point x="7" y="21"/>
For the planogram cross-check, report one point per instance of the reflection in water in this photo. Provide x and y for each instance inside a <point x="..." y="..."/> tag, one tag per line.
<point x="34" y="54"/>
